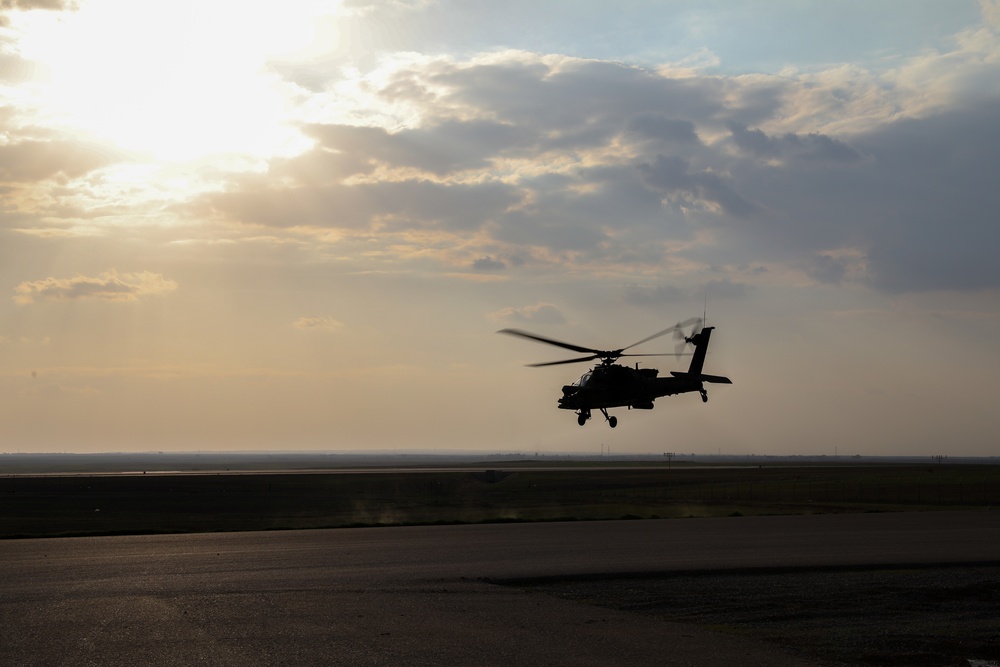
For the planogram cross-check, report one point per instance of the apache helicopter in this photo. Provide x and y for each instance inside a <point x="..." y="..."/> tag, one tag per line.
<point x="611" y="385"/>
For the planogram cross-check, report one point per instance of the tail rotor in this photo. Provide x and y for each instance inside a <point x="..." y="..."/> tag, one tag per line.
<point x="681" y="340"/>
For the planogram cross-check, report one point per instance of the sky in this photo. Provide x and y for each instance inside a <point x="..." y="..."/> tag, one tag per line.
<point x="298" y="225"/>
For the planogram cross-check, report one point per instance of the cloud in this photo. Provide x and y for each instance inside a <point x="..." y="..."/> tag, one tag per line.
<point x="571" y="103"/>
<point x="23" y="5"/>
<point x="517" y="154"/>
<point x="540" y="313"/>
<point x="440" y="147"/>
<point x="673" y="176"/>
<point x="828" y="269"/>
<point x="109" y="286"/>
<point x="323" y="323"/>
<point x="656" y="295"/>
<point x="814" y="146"/>
<point x="583" y="166"/>
<point x="991" y="12"/>
<point x="917" y="213"/>
<point x="488" y="264"/>
<point x="406" y="204"/>
<point x="934" y="202"/>
<point x="6" y="5"/>
<point x="726" y="289"/>
<point x="643" y="295"/>
<point x="661" y="128"/>
<point x="32" y="161"/>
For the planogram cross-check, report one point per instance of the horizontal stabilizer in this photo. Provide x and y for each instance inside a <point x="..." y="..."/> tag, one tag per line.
<point x="717" y="379"/>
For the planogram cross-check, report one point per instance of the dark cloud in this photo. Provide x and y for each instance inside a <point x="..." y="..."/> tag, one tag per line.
<point x="921" y="205"/>
<point x="827" y="269"/>
<point x="30" y="161"/>
<point x="576" y="104"/>
<point x="488" y="264"/>
<point x="667" y="130"/>
<point x="755" y="102"/>
<point x="940" y="174"/>
<point x="818" y="147"/>
<point x="673" y="176"/>
<point x="601" y="212"/>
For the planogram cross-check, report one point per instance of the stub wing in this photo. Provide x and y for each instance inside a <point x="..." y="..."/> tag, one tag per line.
<point x="717" y="379"/>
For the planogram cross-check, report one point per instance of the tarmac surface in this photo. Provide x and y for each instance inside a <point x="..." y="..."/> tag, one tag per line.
<point x="425" y="595"/>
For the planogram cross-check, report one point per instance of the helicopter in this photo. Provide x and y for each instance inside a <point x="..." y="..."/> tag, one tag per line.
<point x="612" y="385"/>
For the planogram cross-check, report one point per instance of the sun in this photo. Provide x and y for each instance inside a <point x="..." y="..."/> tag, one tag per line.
<point x="174" y="80"/>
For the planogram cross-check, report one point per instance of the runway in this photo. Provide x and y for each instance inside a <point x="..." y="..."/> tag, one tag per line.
<point x="422" y="595"/>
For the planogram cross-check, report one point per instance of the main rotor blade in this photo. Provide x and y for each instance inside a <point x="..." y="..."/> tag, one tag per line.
<point x="656" y="335"/>
<point x="564" y="361"/>
<point x="549" y="341"/>
<point x="657" y="354"/>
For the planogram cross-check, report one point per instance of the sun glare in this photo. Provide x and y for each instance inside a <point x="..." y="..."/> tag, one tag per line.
<point x="176" y="80"/>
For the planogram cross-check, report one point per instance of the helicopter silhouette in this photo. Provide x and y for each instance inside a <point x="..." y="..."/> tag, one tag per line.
<point x="612" y="385"/>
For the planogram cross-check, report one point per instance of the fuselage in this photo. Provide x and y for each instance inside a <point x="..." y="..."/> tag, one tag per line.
<point x="614" y="386"/>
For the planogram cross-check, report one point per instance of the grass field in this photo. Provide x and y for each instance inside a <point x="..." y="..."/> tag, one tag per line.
<point x="89" y="504"/>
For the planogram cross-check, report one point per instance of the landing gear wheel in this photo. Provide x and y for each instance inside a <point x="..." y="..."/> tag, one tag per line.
<point x="581" y="420"/>
<point x="704" y="396"/>
<point x="612" y="421"/>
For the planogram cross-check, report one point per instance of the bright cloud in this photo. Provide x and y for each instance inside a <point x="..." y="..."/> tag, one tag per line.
<point x="109" y="286"/>
<point x="324" y="323"/>
<point x="539" y="313"/>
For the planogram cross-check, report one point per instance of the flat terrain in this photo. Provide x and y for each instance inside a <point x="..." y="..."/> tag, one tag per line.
<point x="88" y="503"/>
<point x="427" y="595"/>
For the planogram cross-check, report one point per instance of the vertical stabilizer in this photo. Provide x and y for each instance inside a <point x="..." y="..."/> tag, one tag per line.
<point x="700" y="341"/>
<point x="694" y="374"/>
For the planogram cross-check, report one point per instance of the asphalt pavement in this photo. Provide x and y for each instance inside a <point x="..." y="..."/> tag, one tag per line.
<point x="424" y="595"/>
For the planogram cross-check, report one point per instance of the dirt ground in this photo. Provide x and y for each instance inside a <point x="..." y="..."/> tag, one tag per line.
<point x="927" y="616"/>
